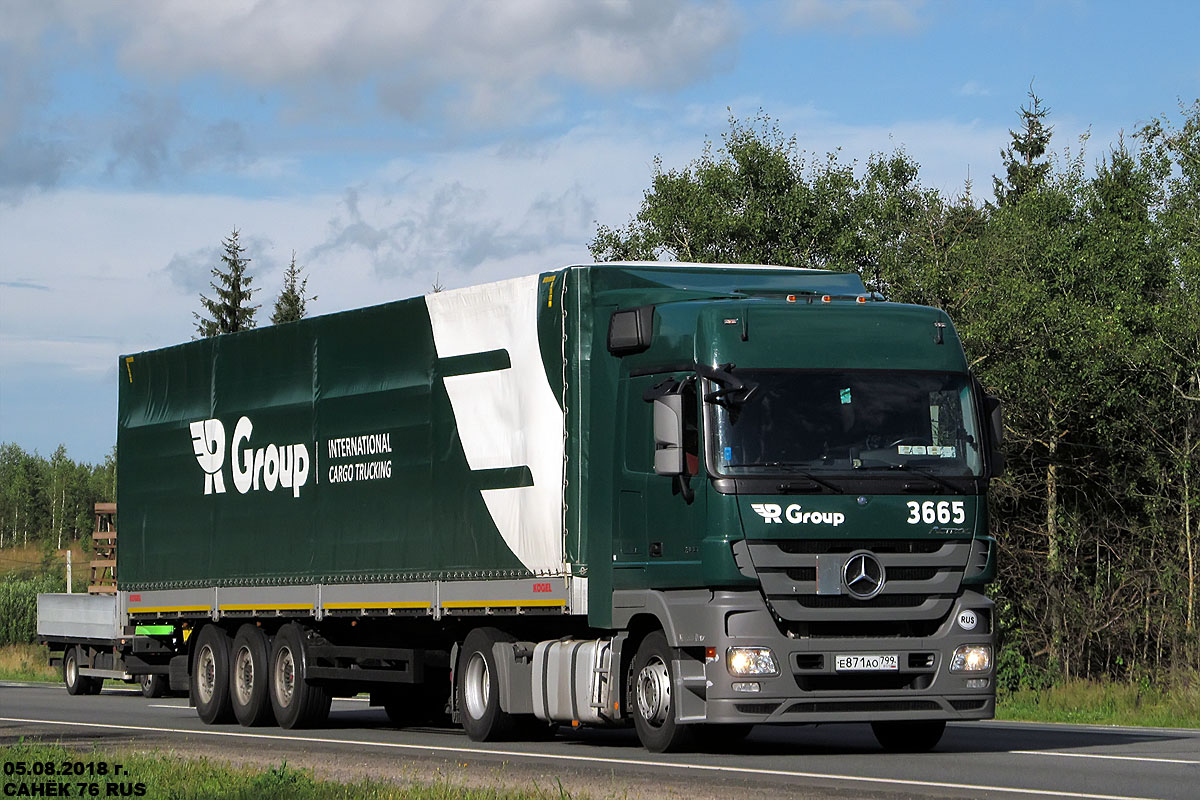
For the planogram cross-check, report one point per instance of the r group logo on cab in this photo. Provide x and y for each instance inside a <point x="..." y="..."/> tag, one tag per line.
<point x="795" y="514"/>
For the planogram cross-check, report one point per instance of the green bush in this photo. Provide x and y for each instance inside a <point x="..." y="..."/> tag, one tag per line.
<point x="18" y="607"/>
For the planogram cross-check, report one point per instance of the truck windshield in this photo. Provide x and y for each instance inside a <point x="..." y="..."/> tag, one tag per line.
<point x="848" y="421"/>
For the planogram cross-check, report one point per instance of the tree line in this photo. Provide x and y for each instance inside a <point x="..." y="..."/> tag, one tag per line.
<point x="1076" y="292"/>
<point x="50" y="502"/>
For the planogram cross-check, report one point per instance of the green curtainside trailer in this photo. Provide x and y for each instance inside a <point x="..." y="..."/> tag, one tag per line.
<point x="671" y="496"/>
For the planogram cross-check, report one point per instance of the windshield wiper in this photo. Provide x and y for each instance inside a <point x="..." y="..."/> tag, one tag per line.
<point x="933" y="476"/>
<point x="791" y="467"/>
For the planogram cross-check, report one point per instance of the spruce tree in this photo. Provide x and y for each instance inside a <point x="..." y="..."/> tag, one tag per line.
<point x="231" y="311"/>
<point x="1023" y="171"/>
<point x="292" y="303"/>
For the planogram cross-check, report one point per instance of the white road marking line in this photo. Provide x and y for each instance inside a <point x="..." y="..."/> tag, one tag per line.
<point x="164" y="705"/>
<point x="478" y="751"/>
<point x="1147" y="759"/>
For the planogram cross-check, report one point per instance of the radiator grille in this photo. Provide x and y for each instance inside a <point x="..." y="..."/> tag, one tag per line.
<point x="803" y="582"/>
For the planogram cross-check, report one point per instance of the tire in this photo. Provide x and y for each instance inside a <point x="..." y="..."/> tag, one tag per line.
<point x="909" y="737"/>
<point x="479" y="688"/>
<point x="651" y="700"/>
<point x="78" y="684"/>
<point x="210" y="676"/>
<point x="153" y="685"/>
<point x="296" y="702"/>
<point x="248" y="681"/>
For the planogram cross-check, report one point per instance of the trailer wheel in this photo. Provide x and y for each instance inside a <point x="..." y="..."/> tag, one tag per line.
<point x="918" y="736"/>
<point x="248" y="677"/>
<point x="296" y="702"/>
<point x="210" y="676"/>
<point x="479" y="687"/>
<point x="78" y="684"/>
<point x="153" y="685"/>
<point x="651" y="698"/>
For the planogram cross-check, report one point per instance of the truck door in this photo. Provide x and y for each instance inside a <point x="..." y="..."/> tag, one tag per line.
<point x="659" y="522"/>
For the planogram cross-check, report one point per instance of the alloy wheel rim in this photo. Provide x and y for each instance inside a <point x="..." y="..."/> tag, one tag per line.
<point x="285" y="677"/>
<point x="206" y="671"/>
<point x="243" y="673"/>
<point x="478" y="687"/>
<point x="654" y="692"/>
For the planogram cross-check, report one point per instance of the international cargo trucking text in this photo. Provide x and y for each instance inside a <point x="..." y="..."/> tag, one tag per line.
<point x="687" y="498"/>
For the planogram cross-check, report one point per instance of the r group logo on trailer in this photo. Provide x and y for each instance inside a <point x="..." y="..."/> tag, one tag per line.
<point x="267" y="467"/>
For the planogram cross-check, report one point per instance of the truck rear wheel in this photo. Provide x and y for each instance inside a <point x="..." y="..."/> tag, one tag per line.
<point x="296" y="702"/>
<point x="917" y="736"/>
<point x="651" y="698"/>
<point x="479" y="687"/>
<point x="210" y="676"/>
<point x="78" y="684"/>
<point x="248" y="677"/>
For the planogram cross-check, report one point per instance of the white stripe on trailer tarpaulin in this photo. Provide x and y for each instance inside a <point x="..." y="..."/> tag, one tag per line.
<point x="510" y="417"/>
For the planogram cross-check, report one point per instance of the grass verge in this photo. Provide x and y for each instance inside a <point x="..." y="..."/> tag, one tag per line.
<point x="1092" y="703"/>
<point x="161" y="775"/>
<point x="26" y="662"/>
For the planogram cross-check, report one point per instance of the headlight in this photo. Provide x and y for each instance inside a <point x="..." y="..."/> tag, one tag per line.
<point x="751" y="661"/>
<point x="971" y="658"/>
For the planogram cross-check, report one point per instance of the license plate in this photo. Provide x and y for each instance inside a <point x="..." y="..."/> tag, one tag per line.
<point x="866" y="663"/>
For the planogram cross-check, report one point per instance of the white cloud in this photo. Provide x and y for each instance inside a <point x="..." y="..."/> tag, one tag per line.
<point x="493" y="61"/>
<point x="856" y="16"/>
<point x="126" y="278"/>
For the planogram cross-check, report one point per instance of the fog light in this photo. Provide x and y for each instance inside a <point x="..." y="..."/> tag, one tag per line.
<point x="751" y="661"/>
<point x="746" y="686"/>
<point x="977" y="683"/>
<point x="971" y="658"/>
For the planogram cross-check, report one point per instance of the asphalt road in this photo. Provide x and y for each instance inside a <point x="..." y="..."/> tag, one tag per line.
<point x="989" y="759"/>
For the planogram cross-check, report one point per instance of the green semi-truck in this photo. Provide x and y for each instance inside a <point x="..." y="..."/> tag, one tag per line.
<point x="679" y="497"/>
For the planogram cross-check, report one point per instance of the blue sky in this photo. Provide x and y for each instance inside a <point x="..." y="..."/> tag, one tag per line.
<point x="390" y="144"/>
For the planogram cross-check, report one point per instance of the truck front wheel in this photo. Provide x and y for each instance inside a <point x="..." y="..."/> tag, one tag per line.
<point x="296" y="702"/>
<point x="918" y="736"/>
<point x="210" y="676"/>
<point x="652" y="701"/>
<point x="248" y="677"/>
<point x="78" y="684"/>
<point x="479" y="687"/>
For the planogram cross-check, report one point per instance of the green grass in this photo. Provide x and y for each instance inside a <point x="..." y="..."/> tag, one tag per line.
<point x="169" y="776"/>
<point x="27" y="662"/>
<point x="1089" y="702"/>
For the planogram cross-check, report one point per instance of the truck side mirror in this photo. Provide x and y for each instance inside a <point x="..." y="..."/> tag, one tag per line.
<point x="668" y="435"/>
<point x="996" y="432"/>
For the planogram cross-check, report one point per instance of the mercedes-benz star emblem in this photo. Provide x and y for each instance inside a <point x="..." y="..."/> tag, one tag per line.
<point x="863" y="575"/>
